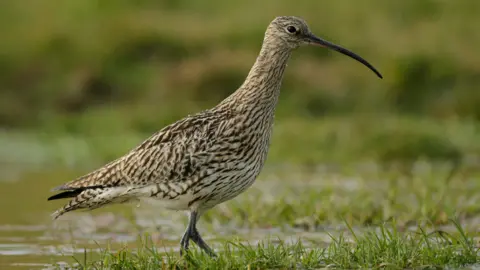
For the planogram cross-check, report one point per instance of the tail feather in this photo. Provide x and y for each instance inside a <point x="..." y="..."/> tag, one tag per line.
<point x="91" y="190"/>
<point x="90" y="198"/>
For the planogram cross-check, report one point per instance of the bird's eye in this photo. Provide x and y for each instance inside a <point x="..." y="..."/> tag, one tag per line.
<point x="291" y="29"/>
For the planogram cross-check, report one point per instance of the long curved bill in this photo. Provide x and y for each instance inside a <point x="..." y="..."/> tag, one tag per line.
<point x="320" y="42"/>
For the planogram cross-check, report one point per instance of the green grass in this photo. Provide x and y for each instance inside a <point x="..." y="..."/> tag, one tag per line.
<point x="354" y="216"/>
<point x="384" y="247"/>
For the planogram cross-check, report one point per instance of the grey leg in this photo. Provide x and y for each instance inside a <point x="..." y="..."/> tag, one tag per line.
<point x="197" y="239"/>
<point x="187" y="235"/>
<point x="192" y="233"/>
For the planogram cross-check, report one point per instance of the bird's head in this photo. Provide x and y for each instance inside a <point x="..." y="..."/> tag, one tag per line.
<point x="292" y="32"/>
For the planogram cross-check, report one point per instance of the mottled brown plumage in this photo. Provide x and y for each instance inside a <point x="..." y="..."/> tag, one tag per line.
<point x="206" y="158"/>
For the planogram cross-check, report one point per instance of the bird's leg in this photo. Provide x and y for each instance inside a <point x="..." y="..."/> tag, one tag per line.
<point x="192" y="233"/>
<point x="195" y="236"/>
<point x="192" y="219"/>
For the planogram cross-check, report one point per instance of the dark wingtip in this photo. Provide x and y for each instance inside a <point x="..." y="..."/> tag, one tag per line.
<point x="66" y="194"/>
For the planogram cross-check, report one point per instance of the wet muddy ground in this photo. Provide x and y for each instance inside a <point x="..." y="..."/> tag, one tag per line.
<point x="288" y="203"/>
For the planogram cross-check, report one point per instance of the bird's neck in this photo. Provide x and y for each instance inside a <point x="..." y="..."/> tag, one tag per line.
<point x="261" y="88"/>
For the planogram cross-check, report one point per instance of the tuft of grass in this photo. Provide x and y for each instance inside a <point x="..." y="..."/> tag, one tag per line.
<point x="381" y="247"/>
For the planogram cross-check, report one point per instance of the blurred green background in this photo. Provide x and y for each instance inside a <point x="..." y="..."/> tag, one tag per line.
<point x="90" y="79"/>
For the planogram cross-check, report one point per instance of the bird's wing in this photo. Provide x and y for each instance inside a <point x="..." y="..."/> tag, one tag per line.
<point x="171" y="155"/>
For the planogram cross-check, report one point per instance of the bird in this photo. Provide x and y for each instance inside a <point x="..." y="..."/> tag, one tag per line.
<point x="209" y="157"/>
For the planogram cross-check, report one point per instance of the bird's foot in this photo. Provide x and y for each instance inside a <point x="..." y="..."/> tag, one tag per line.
<point x="192" y="234"/>
<point x="197" y="239"/>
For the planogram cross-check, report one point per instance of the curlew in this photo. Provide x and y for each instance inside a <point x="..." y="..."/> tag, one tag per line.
<point x="209" y="157"/>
